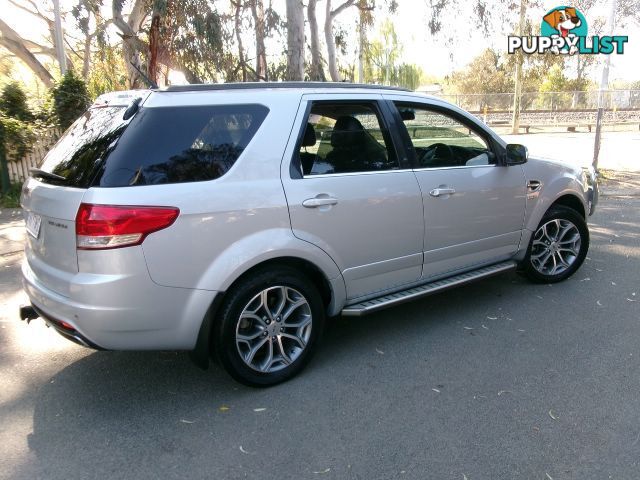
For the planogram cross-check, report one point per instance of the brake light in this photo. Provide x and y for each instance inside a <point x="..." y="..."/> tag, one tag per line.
<point x="100" y="227"/>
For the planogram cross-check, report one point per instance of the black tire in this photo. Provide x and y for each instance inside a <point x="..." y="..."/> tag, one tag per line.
<point x="278" y="282"/>
<point x="557" y="220"/>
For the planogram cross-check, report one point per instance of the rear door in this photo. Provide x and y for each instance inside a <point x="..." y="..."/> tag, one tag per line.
<point x="350" y="194"/>
<point x="473" y="208"/>
<point x="51" y="200"/>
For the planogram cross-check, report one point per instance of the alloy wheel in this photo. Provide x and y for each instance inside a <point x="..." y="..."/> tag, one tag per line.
<point x="273" y="329"/>
<point x="556" y="245"/>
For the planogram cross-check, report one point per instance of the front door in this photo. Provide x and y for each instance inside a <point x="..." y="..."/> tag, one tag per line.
<point x="349" y="194"/>
<point x="473" y="208"/>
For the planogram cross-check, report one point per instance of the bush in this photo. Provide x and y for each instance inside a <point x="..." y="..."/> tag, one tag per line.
<point x="13" y="103"/>
<point x="70" y="99"/>
<point x="17" y="138"/>
<point x="11" y="199"/>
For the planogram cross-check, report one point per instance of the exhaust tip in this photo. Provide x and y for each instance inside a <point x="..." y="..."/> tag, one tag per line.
<point x="27" y="312"/>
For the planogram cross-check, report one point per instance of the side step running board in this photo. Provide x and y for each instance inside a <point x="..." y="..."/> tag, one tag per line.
<point x="379" y="303"/>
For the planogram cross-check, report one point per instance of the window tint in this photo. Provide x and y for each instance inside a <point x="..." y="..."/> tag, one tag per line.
<point x="344" y="138"/>
<point x="181" y="144"/>
<point x="442" y="141"/>
<point x="84" y="145"/>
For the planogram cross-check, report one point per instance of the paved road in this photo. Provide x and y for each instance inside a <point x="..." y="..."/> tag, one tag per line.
<point x="500" y="379"/>
<point x="616" y="150"/>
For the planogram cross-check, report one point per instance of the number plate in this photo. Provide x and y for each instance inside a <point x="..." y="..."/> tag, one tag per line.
<point x="33" y="224"/>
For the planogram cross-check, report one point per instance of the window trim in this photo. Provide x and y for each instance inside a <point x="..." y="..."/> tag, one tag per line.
<point x="407" y="144"/>
<point x="386" y="120"/>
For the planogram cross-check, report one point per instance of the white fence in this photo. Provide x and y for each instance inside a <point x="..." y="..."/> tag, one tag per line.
<point x="19" y="171"/>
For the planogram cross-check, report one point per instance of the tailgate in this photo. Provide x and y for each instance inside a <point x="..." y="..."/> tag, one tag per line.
<point x="50" y="249"/>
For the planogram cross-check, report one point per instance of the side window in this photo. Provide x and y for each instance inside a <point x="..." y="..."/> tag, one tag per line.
<point x="345" y="138"/>
<point x="442" y="141"/>
<point x="181" y="144"/>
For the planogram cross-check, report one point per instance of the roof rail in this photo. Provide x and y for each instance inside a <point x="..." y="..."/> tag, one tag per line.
<point x="197" y="87"/>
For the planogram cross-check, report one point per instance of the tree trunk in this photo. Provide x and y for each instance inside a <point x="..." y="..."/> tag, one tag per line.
<point x="317" y="71"/>
<point x="132" y="46"/>
<point x="257" y="10"/>
<point x="238" y="28"/>
<point x="331" y="44"/>
<point x="517" y="95"/>
<point x="58" y="41"/>
<point x="15" y="44"/>
<point x="86" y="57"/>
<point x="328" y="35"/>
<point x="295" y="40"/>
<point x="362" y="40"/>
<point x="154" y="46"/>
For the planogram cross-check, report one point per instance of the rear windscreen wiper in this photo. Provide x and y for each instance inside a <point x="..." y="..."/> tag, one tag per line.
<point x="37" y="173"/>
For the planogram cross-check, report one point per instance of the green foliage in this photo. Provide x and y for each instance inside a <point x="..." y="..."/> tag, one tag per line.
<point x="192" y="32"/>
<point x="108" y="72"/>
<point x="16" y="138"/>
<point x="70" y="99"/>
<point x="11" y="198"/>
<point x="382" y="61"/>
<point x="408" y="76"/>
<point x="555" y="84"/>
<point x="555" y="81"/>
<point x="485" y="75"/>
<point x="383" y="54"/>
<point x="13" y="102"/>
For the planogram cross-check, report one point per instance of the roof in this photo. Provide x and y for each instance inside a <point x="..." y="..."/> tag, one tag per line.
<point x="121" y="98"/>
<point x="285" y="85"/>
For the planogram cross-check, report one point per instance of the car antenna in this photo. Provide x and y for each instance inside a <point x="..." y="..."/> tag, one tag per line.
<point x="150" y="82"/>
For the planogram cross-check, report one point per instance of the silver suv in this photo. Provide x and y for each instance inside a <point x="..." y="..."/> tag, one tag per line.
<point x="233" y="219"/>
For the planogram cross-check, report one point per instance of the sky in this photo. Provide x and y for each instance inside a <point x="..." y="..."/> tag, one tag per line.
<point x="432" y="53"/>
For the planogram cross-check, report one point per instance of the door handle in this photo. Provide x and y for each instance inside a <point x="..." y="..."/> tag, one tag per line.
<point x="319" y="202"/>
<point x="436" y="192"/>
<point x="534" y="185"/>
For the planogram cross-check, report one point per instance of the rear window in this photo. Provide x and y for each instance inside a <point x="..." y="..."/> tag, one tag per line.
<point x="161" y="145"/>
<point x="84" y="146"/>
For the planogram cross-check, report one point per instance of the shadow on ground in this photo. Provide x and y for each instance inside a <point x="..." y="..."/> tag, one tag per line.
<point x="499" y="379"/>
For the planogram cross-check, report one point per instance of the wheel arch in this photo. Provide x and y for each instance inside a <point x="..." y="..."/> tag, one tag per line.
<point x="332" y="292"/>
<point x="571" y="201"/>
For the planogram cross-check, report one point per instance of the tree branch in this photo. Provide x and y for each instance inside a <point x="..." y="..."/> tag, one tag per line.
<point x="341" y="8"/>
<point x="35" y="12"/>
<point x="15" y="44"/>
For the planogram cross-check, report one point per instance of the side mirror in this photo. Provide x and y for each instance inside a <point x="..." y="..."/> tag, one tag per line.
<point x="516" y="154"/>
<point x="407" y="114"/>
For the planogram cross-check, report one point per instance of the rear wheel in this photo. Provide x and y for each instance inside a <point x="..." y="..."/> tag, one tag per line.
<point x="269" y="326"/>
<point x="558" y="246"/>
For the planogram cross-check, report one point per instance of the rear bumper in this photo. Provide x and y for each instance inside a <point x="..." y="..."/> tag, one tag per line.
<point x="120" y="312"/>
<point x="67" y="332"/>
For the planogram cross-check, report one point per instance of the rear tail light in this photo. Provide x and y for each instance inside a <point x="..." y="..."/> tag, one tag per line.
<point x="100" y="227"/>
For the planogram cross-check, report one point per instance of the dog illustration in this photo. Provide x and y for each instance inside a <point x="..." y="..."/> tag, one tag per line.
<point x="563" y="20"/>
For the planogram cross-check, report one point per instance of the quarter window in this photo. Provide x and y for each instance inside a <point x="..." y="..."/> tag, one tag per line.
<point x="345" y="138"/>
<point x="442" y="141"/>
<point x="181" y="144"/>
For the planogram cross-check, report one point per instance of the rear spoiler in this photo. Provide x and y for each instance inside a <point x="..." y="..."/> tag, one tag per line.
<point x="119" y="99"/>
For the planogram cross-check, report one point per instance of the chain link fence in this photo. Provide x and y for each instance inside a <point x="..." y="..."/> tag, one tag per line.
<point x="614" y="100"/>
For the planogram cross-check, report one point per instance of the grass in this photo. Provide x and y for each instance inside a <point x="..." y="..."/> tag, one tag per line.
<point x="11" y="198"/>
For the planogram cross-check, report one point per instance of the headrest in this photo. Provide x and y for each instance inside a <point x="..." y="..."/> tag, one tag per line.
<point x="347" y="132"/>
<point x="309" y="139"/>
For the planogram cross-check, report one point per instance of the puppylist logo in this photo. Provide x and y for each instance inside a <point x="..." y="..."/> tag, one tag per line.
<point x="564" y="31"/>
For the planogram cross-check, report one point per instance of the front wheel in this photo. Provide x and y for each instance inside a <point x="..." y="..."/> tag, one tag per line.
<point x="558" y="247"/>
<point x="269" y="326"/>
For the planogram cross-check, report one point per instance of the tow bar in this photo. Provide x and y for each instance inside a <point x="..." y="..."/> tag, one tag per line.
<point x="28" y="313"/>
